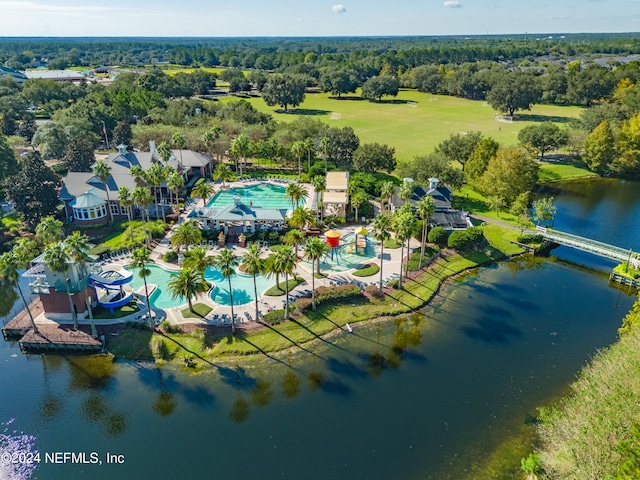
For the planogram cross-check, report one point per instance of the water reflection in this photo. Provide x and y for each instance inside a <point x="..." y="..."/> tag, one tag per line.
<point x="290" y="384"/>
<point x="165" y="404"/>
<point x="262" y="393"/>
<point x="239" y="411"/>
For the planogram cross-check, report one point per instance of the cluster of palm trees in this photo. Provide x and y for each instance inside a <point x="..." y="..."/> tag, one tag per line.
<point x="59" y="254"/>
<point x="148" y="190"/>
<point x="403" y="224"/>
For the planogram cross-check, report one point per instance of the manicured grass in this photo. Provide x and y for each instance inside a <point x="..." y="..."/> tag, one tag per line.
<point x="367" y="271"/>
<point x="101" y="313"/>
<point x="200" y="310"/>
<point x="416" y="130"/>
<point x="119" y="240"/>
<point x="554" y="172"/>
<point x="392" y="243"/>
<point x="277" y="292"/>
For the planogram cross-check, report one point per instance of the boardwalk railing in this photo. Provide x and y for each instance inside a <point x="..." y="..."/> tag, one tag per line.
<point x="585" y="244"/>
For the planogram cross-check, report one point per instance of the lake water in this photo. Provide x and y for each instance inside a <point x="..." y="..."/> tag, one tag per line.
<point x="427" y="398"/>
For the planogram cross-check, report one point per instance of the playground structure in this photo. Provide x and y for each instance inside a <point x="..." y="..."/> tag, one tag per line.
<point x="350" y="243"/>
<point x="112" y="286"/>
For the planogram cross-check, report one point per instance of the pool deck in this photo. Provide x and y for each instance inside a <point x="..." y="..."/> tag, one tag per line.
<point x="265" y="304"/>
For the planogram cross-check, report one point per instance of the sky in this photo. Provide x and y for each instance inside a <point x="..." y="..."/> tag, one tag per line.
<point x="240" y="18"/>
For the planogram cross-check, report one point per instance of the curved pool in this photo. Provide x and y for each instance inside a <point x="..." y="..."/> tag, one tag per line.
<point x="241" y="284"/>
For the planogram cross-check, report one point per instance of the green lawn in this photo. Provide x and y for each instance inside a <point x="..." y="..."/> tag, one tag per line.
<point x="367" y="271"/>
<point x="416" y="130"/>
<point x="200" y="310"/>
<point x="553" y="172"/>
<point x="277" y="292"/>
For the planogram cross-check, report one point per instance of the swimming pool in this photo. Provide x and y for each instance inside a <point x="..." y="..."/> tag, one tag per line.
<point x="242" y="287"/>
<point x="265" y="195"/>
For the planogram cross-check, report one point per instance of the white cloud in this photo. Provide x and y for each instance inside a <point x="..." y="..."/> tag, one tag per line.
<point x="339" y="9"/>
<point x="452" y="4"/>
<point x="33" y="7"/>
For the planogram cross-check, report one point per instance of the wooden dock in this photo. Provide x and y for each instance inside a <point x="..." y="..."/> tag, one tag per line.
<point x="624" y="280"/>
<point x="58" y="337"/>
<point x="50" y="336"/>
<point x="21" y="324"/>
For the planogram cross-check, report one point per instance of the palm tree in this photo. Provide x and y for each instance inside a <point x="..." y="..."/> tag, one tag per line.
<point x="175" y="182"/>
<point x="381" y="228"/>
<point x="210" y="136"/>
<point x="142" y="197"/>
<point x="126" y="201"/>
<point x="241" y="148"/>
<point x="298" y="149"/>
<point x="358" y="199"/>
<point x="286" y="261"/>
<point x="103" y="171"/>
<point x="426" y="207"/>
<point x="49" y="230"/>
<point x="164" y="150"/>
<point x="406" y="191"/>
<point x="387" y="189"/>
<point x="198" y="259"/>
<point x="187" y="234"/>
<point x="295" y="237"/>
<point x="227" y="263"/>
<point x="297" y="193"/>
<point x="138" y="175"/>
<point x="189" y="283"/>
<point x="140" y="258"/>
<point x="271" y="268"/>
<point x="253" y="265"/>
<point x="309" y="146"/>
<point x="314" y="250"/>
<point x="224" y="173"/>
<point x="403" y="224"/>
<point x="10" y="262"/>
<point x="324" y="145"/>
<point x="300" y="217"/>
<point x="179" y="142"/>
<point x="320" y="185"/>
<point x="57" y="260"/>
<point x="155" y="176"/>
<point x="77" y="247"/>
<point x="203" y="190"/>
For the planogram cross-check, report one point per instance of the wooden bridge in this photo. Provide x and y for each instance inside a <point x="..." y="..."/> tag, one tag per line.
<point x="585" y="244"/>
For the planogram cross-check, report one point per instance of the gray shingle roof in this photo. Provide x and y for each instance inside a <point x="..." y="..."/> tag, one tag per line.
<point x="76" y="183"/>
<point x="239" y="213"/>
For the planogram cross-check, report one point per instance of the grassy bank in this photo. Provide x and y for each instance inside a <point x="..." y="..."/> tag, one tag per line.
<point x="592" y="433"/>
<point x="330" y="315"/>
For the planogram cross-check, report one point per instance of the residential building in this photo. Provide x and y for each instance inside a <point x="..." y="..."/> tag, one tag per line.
<point x="445" y="215"/>
<point x="85" y="196"/>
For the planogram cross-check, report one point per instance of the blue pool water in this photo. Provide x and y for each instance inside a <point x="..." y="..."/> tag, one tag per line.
<point x="263" y="195"/>
<point x="242" y="285"/>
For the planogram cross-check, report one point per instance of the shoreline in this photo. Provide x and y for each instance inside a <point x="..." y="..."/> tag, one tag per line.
<point x="327" y="321"/>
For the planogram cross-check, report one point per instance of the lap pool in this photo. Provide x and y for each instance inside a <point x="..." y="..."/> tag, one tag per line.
<point x="265" y="195"/>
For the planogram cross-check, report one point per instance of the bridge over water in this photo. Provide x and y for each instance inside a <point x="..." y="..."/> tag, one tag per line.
<point x="585" y="244"/>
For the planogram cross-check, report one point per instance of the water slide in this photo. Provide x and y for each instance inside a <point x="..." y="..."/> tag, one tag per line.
<point x="112" y="286"/>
